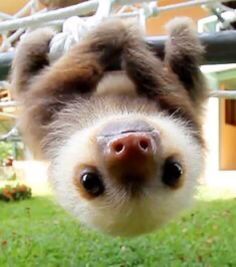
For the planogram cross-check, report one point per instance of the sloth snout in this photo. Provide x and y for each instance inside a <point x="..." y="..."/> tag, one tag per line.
<point x="131" y="158"/>
<point x="131" y="146"/>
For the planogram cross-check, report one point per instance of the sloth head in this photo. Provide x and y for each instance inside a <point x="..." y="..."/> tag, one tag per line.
<point x="129" y="173"/>
<point x="125" y="147"/>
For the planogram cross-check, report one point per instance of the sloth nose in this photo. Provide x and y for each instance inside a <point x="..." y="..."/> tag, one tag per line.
<point x="131" y="146"/>
<point x="131" y="158"/>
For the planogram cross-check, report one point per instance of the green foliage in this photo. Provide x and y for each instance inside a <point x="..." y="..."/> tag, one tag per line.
<point x="6" y="150"/>
<point x="15" y="193"/>
<point x="37" y="232"/>
<point x="11" y="150"/>
<point x="12" y="177"/>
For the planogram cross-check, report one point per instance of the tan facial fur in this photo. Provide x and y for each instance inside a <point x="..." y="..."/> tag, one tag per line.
<point x="76" y="110"/>
<point x="116" y="212"/>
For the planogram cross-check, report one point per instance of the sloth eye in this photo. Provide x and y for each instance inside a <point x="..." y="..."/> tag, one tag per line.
<point x="172" y="171"/>
<point x="92" y="183"/>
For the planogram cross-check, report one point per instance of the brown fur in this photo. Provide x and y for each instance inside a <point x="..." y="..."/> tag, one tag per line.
<point x="69" y="105"/>
<point x="184" y="54"/>
<point x="46" y="90"/>
<point x="31" y="57"/>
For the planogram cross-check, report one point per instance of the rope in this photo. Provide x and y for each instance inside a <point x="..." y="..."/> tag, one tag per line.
<point x="151" y="9"/>
<point x="75" y="28"/>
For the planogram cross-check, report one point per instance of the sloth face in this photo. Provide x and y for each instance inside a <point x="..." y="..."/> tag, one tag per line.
<point x="126" y="174"/>
<point x="119" y="126"/>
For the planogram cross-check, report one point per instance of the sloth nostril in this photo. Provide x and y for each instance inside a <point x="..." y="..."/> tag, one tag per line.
<point x="130" y="144"/>
<point x="143" y="144"/>
<point x="118" y="147"/>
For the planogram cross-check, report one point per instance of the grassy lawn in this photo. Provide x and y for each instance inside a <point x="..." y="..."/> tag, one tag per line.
<point x="37" y="232"/>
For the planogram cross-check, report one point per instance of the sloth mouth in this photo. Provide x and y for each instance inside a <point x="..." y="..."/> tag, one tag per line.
<point x="127" y="132"/>
<point x="124" y="127"/>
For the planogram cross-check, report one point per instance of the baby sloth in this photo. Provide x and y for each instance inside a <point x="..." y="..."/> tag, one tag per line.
<point x="120" y="127"/>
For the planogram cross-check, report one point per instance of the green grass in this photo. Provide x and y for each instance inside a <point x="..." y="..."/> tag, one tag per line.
<point x="37" y="232"/>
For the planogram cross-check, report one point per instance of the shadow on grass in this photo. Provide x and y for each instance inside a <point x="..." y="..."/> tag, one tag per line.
<point x="37" y="232"/>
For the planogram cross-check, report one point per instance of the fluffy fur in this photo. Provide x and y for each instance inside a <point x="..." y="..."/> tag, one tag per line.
<point x="66" y="105"/>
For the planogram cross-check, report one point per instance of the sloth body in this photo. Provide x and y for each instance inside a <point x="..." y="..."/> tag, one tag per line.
<point x="120" y="128"/>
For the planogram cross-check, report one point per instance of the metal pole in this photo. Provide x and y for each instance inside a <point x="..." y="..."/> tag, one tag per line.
<point x="220" y="49"/>
<point x="83" y="9"/>
<point x="226" y="94"/>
